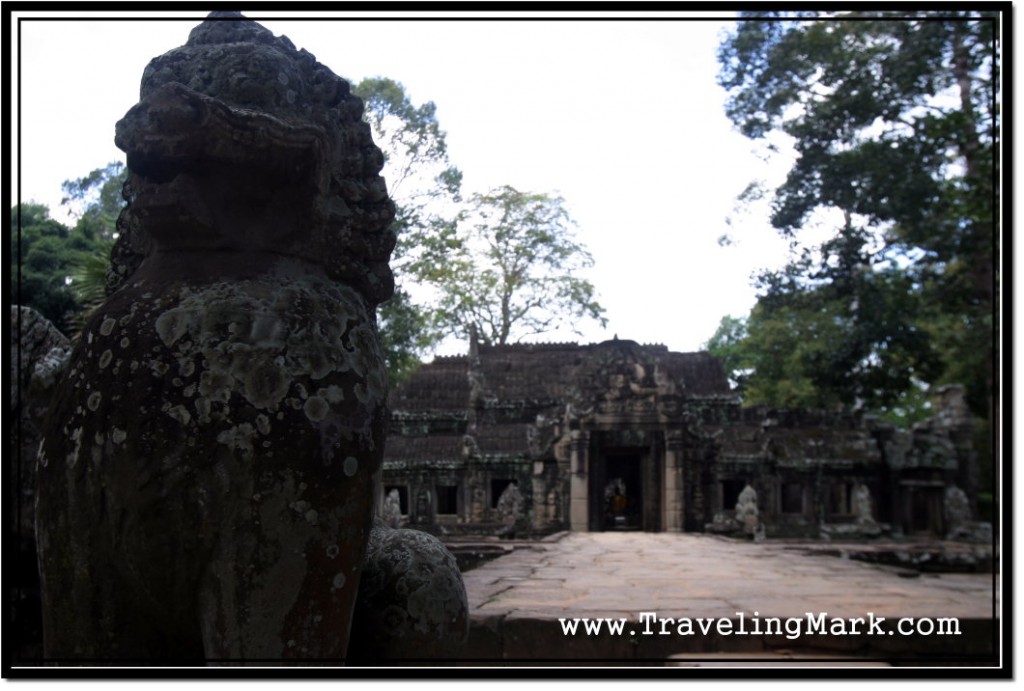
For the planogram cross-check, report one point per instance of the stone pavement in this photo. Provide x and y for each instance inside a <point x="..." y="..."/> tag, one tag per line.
<point x="516" y="603"/>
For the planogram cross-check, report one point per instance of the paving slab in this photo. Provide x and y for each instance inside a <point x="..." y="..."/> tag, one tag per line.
<point x="724" y="598"/>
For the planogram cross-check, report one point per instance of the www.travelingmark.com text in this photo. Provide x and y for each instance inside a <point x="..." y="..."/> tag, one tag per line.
<point x="651" y="624"/>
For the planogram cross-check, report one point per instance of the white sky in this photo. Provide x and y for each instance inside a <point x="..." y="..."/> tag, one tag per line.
<point x="623" y="118"/>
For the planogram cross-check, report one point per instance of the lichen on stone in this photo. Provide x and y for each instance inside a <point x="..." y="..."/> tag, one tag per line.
<point x="236" y="356"/>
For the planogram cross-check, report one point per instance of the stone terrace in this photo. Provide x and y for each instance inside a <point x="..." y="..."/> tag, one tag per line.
<point x="516" y="602"/>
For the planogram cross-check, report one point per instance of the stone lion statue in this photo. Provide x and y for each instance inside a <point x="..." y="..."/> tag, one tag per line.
<point x="206" y="478"/>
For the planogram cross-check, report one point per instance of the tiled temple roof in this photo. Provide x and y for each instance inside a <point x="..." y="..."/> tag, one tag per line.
<point x="547" y="371"/>
<point x="513" y="383"/>
<point x="439" y="385"/>
<point x="433" y="447"/>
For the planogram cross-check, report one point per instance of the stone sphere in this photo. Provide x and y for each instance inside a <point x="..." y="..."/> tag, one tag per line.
<point x="411" y="603"/>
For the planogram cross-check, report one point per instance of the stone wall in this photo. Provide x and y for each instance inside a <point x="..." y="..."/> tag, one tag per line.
<point x="520" y="410"/>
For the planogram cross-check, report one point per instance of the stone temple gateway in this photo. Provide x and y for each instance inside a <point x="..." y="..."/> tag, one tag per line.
<point x="623" y="436"/>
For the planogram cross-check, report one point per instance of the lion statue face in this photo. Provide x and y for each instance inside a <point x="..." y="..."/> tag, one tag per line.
<point x="241" y="143"/>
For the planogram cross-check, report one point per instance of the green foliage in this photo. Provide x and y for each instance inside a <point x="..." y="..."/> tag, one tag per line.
<point x="415" y="149"/>
<point x="841" y="327"/>
<point x="88" y="277"/>
<point x="422" y="182"/>
<point x="96" y="200"/>
<point x="425" y="188"/>
<point x="895" y="123"/>
<point x="505" y="263"/>
<point x="510" y="269"/>
<point x="61" y="270"/>
<point x="728" y="344"/>
<point x="404" y="335"/>
<point x="42" y="251"/>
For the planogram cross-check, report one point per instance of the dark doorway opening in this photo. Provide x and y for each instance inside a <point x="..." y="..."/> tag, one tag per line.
<point x="792" y="498"/>
<point x="925" y="510"/>
<point x="839" y="501"/>
<point x="623" y="492"/>
<point x="497" y="487"/>
<point x="731" y="493"/>
<point x="447" y="499"/>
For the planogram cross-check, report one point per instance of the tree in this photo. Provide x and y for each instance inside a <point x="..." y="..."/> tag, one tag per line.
<point x="728" y="344"/>
<point x="95" y="199"/>
<point x="425" y="187"/>
<point x="60" y="270"/>
<point x="838" y="327"/>
<point x="510" y="269"/>
<point x="895" y="123"/>
<point x="42" y="251"/>
<point x="415" y="147"/>
<point x="459" y="267"/>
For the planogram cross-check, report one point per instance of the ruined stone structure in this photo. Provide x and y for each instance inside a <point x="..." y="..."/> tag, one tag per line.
<point x="618" y="435"/>
<point x="207" y="475"/>
<point x="39" y="353"/>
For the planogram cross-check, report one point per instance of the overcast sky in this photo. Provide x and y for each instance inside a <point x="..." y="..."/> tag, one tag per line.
<point x="622" y="118"/>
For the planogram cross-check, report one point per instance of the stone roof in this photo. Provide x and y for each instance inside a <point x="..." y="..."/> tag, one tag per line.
<point x="549" y="372"/>
<point x="530" y="372"/>
<point x="424" y="447"/>
<point x="507" y="387"/>
<point x="439" y="385"/>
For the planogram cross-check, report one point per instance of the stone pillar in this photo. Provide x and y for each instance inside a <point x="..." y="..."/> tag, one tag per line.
<point x="579" y="462"/>
<point x="476" y="479"/>
<point x="542" y="510"/>
<point x="672" y="487"/>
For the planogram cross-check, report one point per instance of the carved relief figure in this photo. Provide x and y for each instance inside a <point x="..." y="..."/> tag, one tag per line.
<point x="746" y="510"/>
<point x="956" y="509"/>
<point x="391" y="512"/>
<point x="863" y="507"/>
<point x="511" y="508"/>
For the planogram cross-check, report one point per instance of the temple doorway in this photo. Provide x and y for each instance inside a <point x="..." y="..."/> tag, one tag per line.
<point x="623" y="492"/>
<point x="923" y="510"/>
